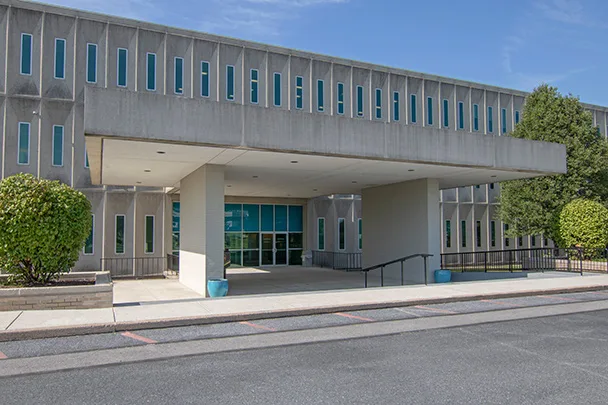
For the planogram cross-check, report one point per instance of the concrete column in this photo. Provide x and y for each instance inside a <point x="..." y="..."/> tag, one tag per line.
<point x="400" y="220"/>
<point x="201" y="255"/>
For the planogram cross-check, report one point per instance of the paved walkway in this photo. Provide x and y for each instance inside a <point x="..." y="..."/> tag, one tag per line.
<point x="31" y="324"/>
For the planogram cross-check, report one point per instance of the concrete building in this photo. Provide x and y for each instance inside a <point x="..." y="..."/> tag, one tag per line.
<point x="186" y="142"/>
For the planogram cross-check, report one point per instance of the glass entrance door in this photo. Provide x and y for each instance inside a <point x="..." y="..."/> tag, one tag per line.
<point x="280" y="252"/>
<point x="267" y="249"/>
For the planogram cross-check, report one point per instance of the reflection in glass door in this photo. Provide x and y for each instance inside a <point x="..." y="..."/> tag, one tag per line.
<point x="280" y="244"/>
<point x="267" y="249"/>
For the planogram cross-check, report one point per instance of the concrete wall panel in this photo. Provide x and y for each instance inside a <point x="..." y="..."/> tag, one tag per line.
<point x="179" y="47"/>
<point x="233" y="56"/>
<point x="278" y="64"/>
<point x="89" y="32"/>
<point x="256" y="60"/>
<point x="321" y="71"/>
<point x="58" y="27"/>
<point x="205" y="51"/>
<point x="56" y="113"/>
<point x="151" y="42"/>
<point x="121" y="37"/>
<point x="29" y="22"/>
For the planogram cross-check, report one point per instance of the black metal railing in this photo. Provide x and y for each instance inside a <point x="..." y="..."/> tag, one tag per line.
<point x="337" y="260"/>
<point x="135" y="267"/>
<point x="173" y="263"/>
<point x="578" y="260"/>
<point x="401" y="261"/>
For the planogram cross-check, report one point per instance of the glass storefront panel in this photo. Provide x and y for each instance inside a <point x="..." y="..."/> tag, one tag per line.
<point x="251" y="240"/>
<point x="295" y="218"/>
<point x="295" y="257"/>
<point x="235" y="258"/>
<point x="233" y="218"/>
<point x="267" y="218"/>
<point x="233" y="240"/>
<point x="296" y="241"/>
<point x="280" y="218"/>
<point x="251" y="258"/>
<point x="251" y="217"/>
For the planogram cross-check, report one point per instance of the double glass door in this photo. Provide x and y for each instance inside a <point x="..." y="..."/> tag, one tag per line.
<point x="274" y="249"/>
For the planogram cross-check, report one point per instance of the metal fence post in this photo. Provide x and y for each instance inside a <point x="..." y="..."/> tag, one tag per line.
<point x="382" y="276"/>
<point x="485" y="261"/>
<point x="365" y="272"/>
<point x="425" y="271"/>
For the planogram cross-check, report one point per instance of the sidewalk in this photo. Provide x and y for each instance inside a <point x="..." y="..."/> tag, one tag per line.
<point x="18" y="325"/>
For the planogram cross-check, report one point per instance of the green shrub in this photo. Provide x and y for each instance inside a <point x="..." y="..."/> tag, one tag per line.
<point x="584" y="223"/>
<point x="43" y="227"/>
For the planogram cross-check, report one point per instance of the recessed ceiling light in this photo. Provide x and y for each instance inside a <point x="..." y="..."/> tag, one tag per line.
<point x="147" y="170"/>
<point x="228" y="185"/>
<point x="294" y="161"/>
<point x="410" y="170"/>
<point x="288" y="195"/>
<point x="492" y="176"/>
<point x="160" y="152"/>
<point x="255" y="177"/>
<point x="354" y="182"/>
<point x="139" y="182"/>
<point x="314" y="189"/>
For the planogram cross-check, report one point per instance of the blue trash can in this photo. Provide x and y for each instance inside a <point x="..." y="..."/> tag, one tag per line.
<point x="443" y="276"/>
<point x="217" y="287"/>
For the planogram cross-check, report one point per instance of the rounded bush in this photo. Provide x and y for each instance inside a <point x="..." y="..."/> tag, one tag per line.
<point x="584" y="223"/>
<point x="43" y="227"/>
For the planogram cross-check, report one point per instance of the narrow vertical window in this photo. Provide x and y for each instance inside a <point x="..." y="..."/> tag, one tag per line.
<point x="463" y="233"/>
<point x="91" y="63"/>
<point x="26" y="54"/>
<point x="446" y="113"/>
<point x="254" y="83"/>
<point x="119" y="236"/>
<point x="360" y="238"/>
<point x="448" y="234"/>
<point x="121" y="66"/>
<point x="149" y="232"/>
<point x="340" y="98"/>
<point x="491" y="186"/>
<point x="545" y="241"/>
<point x="378" y="104"/>
<point x="493" y="233"/>
<point x="490" y="120"/>
<point x="475" y="117"/>
<point x="413" y="117"/>
<point x="57" y="148"/>
<point x="178" y="65"/>
<point x="516" y="117"/>
<point x="230" y="83"/>
<point x="478" y="233"/>
<point x="89" y="243"/>
<point x="151" y="72"/>
<point x="299" y="92"/>
<point x="277" y="89"/>
<point x="503" y="117"/>
<point x="320" y="96"/>
<point x="205" y="79"/>
<point x="396" y="108"/>
<point x="59" y="58"/>
<point x="429" y="111"/>
<point x="341" y="234"/>
<point x="320" y="233"/>
<point x="533" y="240"/>
<point x="460" y="115"/>
<point x="86" y="158"/>
<point x="506" y="228"/>
<point x="359" y="101"/>
<point x="23" y="153"/>
<point x="520" y="241"/>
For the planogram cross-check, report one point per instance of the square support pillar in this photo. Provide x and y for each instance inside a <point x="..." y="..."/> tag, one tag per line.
<point x="201" y="254"/>
<point x="401" y="220"/>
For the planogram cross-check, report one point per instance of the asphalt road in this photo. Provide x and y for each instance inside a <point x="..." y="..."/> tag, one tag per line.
<point x="551" y="360"/>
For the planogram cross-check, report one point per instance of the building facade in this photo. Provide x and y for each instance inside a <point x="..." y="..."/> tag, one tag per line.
<point x="52" y="56"/>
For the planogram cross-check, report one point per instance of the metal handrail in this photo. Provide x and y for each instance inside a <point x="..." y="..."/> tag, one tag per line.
<point x="381" y="266"/>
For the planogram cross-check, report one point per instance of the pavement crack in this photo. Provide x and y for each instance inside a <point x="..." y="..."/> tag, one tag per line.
<point x="10" y="324"/>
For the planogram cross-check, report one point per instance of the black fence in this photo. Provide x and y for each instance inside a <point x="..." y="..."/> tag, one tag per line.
<point x="139" y="267"/>
<point x="577" y="260"/>
<point x="337" y="260"/>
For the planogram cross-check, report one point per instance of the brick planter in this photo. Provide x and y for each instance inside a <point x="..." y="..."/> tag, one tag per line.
<point x="99" y="295"/>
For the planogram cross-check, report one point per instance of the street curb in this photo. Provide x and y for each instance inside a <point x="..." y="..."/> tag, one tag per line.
<point x="62" y="331"/>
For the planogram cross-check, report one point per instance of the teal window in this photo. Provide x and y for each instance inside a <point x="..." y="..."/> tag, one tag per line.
<point x="277" y="89"/>
<point x="23" y="154"/>
<point x="86" y="159"/>
<point x="475" y="117"/>
<point x="359" y="101"/>
<point x="503" y="116"/>
<point x="448" y="234"/>
<point x="320" y="95"/>
<point x="254" y="79"/>
<point x="230" y="83"/>
<point x="493" y="233"/>
<point x="91" y="63"/>
<point x="267" y="218"/>
<point x="506" y="228"/>
<point x="429" y="111"/>
<point x="360" y="234"/>
<point x="89" y="243"/>
<point x="490" y="120"/>
<point x="57" y="148"/>
<point x="119" y="235"/>
<point x="446" y="113"/>
<point x="233" y="218"/>
<point x="463" y="233"/>
<point x="251" y="217"/>
<point x="121" y="67"/>
<point x="478" y="233"/>
<point x="59" y="58"/>
<point x="299" y="92"/>
<point x="341" y="234"/>
<point x="149" y="232"/>
<point x="280" y="218"/>
<point x="341" y="98"/>
<point x="413" y="117"/>
<point x="151" y="71"/>
<point x="396" y="108"/>
<point x="178" y="65"/>
<point x="296" y="218"/>
<point x="460" y="115"/>
<point x="516" y="117"/>
<point x="26" y="54"/>
<point x="205" y="87"/>
<point x="175" y="226"/>
<point x="320" y="233"/>
<point x="378" y="104"/>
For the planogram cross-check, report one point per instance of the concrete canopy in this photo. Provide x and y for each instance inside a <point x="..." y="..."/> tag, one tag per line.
<point x="149" y="140"/>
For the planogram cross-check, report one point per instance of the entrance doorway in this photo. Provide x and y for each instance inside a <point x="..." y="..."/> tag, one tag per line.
<point x="274" y="249"/>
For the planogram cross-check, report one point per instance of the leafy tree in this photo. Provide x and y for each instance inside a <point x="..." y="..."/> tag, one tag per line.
<point x="584" y="223"/>
<point x="43" y="227"/>
<point x="532" y="206"/>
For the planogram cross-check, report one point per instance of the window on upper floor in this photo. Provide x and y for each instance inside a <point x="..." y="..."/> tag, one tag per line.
<point x="57" y="147"/>
<point x="503" y="116"/>
<point x="121" y="67"/>
<point x="150" y="71"/>
<point x="490" y="120"/>
<point x="516" y="117"/>
<point x="254" y="84"/>
<point x="178" y="85"/>
<point x="91" y="63"/>
<point x="230" y="83"/>
<point x="277" y="90"/>
<point x="23" y="152"/>
<point x="59" y="58"/>
<point x="299" y="92"/>
<point x="446" y="113"/>
<point x="413" y="112"/>
<point x="26" y="54"/>
<point x="460" y="115"/>
<point x="320" y="95"/>
<point x="475" y="117"/>
<point x="340" y="98"/>
<point x="396" y="108"/>
<point x="378" y="104"/>
<point x="359" y="101"/>
<point x="429" y="111"/>
<point x="205" y="84"/>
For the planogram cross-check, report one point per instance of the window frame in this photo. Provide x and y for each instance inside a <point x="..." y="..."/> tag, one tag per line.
<point x="277" y="91"/>
<point x="53" y="145"/>
<point x="359" y="234"/>
<point x="146" y="234"/>
<point x="124" y="225"/>
<point x="29" y="142"/>
<point x="92" y="233"/>
<point x="448" y="233"/>
<point x="517" y="117"/>
<point x="300" y="93"/>
<point x="254" y="86"/>
<point x="340" y="98"/>
<point x="319" y="220"/>
<point x="118" y="67"/>
<point x="148" y="54"/>
<point x="55" y="59"/>
<point x="378" y="103"/>
<point x="320" y="95"/>
<point x="461" y="115"/>
<point x="478" y="234"/>
<point x="360" y="102"/>
<point x="475" y="117"/>
<point x="341" y="235"/>
<point x="463" y="233"/>
<point x="503" y="118"/>
<point x="429" y="111"/>
<point x="175" y="71"/>
<point x="446" y="113"/>
<point x="396" y="106"/>
<point x="490" y="119"/>
<point x="31" y="65"/>
<point x="206" y="74"/>
<point x="89" y="44"/>
<point x="493" y="233"/>
<point x="413" y="109"/>
<point x="230" y="72"/>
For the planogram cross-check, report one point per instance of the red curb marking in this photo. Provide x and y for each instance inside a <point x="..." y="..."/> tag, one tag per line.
<point x="508" y="304"/>
<point x="443" y="311"/>
<point x="3" y="356"/>
<point x="353" y="317"/>
<point x="140" y="338"/>
<point x="253" y="325"/>
<point x="553" y="297"/>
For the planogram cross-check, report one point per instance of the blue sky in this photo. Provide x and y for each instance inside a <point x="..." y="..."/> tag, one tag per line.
<point x="513" y="43"/>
